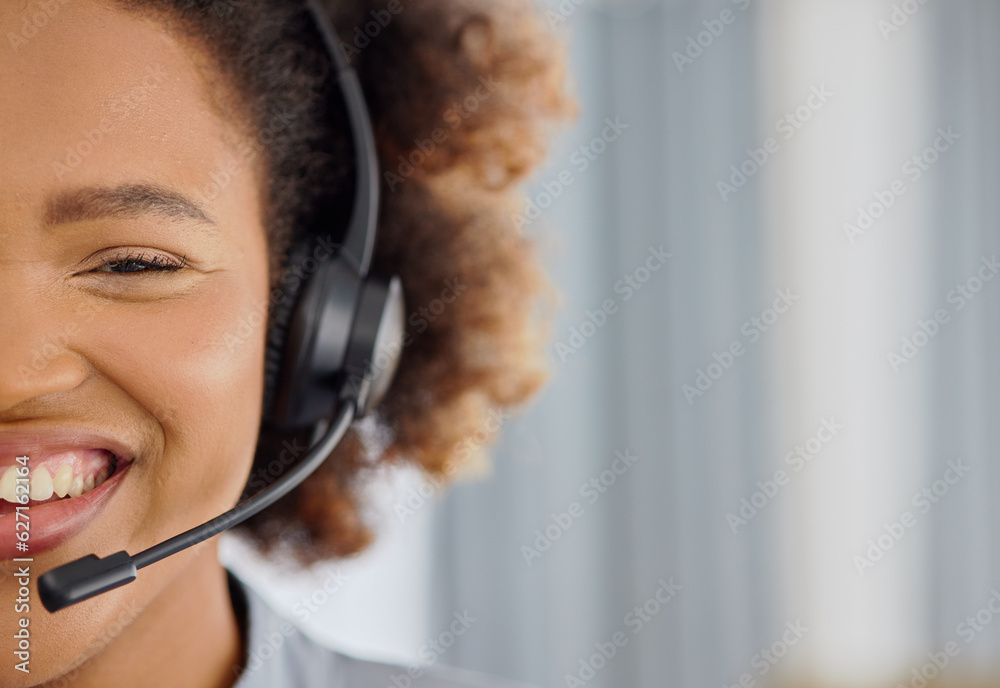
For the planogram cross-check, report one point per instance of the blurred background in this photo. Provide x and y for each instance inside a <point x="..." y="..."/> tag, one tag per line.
<point x="766" y="454"/>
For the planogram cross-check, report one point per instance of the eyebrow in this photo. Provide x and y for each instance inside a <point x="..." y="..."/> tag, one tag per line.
<point x="127" y="201"/>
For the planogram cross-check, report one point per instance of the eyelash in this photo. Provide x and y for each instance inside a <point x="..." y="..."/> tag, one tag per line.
<point x="155" y="263"/>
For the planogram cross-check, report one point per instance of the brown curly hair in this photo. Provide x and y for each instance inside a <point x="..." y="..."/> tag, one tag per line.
<point x="461" y="93"/>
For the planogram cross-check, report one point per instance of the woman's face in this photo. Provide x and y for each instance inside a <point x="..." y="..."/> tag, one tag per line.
<point x="114" y="159"/>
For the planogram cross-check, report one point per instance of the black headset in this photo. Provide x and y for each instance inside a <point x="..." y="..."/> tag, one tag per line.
<point x="339" y="322"/>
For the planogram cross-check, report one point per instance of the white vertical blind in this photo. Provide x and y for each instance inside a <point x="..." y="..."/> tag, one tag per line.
<point x="861" y="292"/>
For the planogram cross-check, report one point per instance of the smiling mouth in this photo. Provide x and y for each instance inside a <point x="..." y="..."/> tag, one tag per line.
<point x="55" y="477"/>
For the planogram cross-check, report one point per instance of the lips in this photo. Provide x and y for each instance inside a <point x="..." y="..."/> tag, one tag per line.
<point x="66" y="461"/>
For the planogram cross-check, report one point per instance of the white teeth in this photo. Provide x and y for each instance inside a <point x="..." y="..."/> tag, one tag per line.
<point x="41" y="484"/>
<point x="7" y="484"/>
<point x="76" y="487"/>
<point x="62" y="480"/>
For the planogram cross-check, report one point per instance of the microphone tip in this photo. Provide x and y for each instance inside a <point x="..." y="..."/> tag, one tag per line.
<point x="84" y="578"/>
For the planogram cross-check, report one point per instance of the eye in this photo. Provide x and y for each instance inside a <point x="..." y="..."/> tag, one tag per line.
<point x="133" y="263"/>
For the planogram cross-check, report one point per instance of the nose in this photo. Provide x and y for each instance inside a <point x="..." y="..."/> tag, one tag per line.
<point x="36" y="356"/>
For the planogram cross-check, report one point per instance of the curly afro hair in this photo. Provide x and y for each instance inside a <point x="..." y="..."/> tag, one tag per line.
<point x="461" y="95"/>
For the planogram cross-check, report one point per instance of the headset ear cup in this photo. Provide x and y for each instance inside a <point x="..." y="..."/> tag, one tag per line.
<point x="315" y="346"/>
<point x="376" y="346"/>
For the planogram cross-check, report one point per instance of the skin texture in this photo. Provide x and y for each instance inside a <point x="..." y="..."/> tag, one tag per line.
<point x="144" y="357"/>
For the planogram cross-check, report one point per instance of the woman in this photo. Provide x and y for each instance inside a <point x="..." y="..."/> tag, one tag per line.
<point x="157" y="160"/>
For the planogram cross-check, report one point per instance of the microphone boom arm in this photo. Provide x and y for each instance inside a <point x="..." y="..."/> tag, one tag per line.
<point x="91" y="575"/>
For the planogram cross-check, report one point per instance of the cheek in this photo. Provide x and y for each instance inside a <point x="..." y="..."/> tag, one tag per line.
<point x="195" y="365"/>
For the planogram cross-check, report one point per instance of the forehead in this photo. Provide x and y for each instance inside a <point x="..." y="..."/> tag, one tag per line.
<point x="94" y="95"/>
